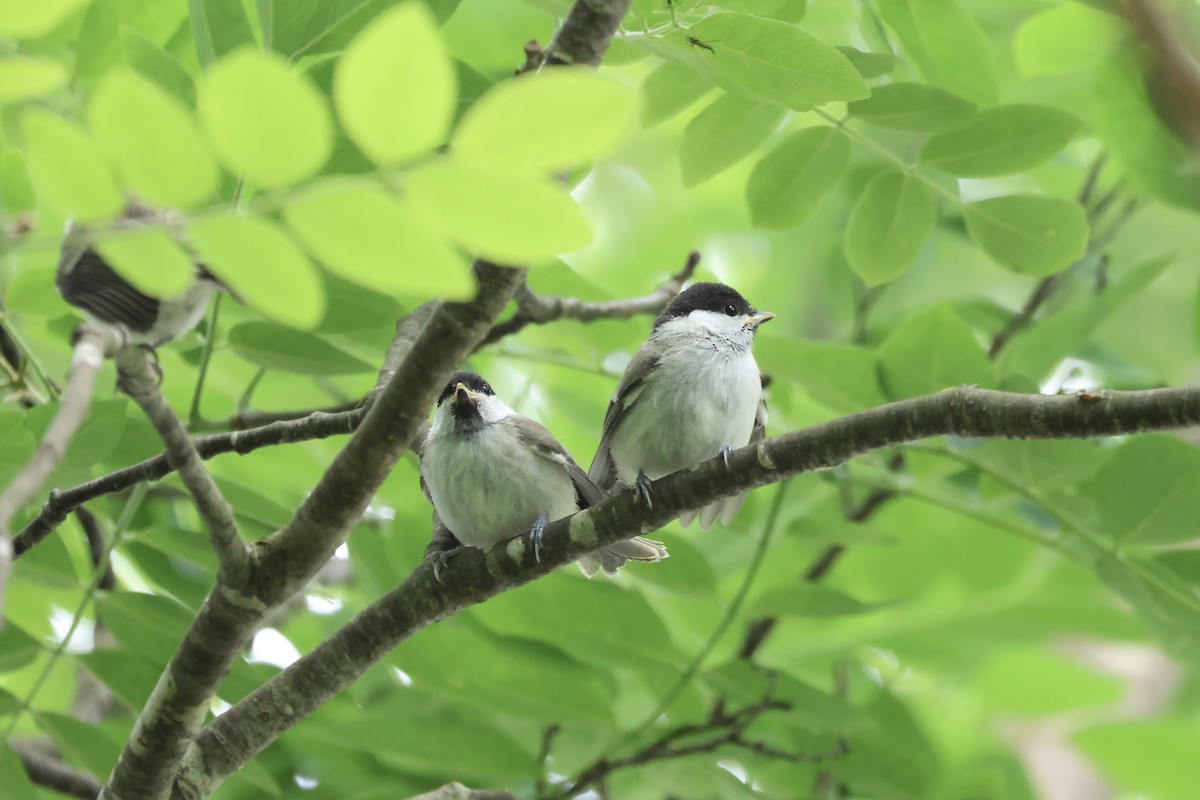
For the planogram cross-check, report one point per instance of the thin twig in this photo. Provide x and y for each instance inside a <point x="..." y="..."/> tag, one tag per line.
<point x="536" y="309"/>
<point x="52" y="773"/>
<point x="135" y="379"/>
<point x="92" y="346"/>
<point x="96" y="547"/>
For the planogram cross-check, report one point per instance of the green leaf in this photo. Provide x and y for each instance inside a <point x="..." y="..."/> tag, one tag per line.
<point x="724" y="133"/>
<point x="16" y="444"/>
<point x="1064" y="39"/>
<point x="23" y="20"/>
<point x="1039" y="347"/>
<point x="257" y="260"/>
<point x="869" y="65"/>
<point x="1047" y="465"/>
<point x="149" y="259"/>
<point x="314" y="27"/>
<point x="16" y="191"/>
<point x="568" y="690"/>
<point x="505" y="217"/>
<point x="1128" y="126"/>
<point x="787" y="183"/>
<point x="277" y="347"/>
<point x="934" y="350"/>
<point x="841" y="376"/>
<point x="1001" y="141"/>
<point x="669" y="89"/>
<point x="888" y="226"/>
<point x="947" y="44"/>
<point x="395" y="86"/>
<point x="811" y="600"/>
<point x="218" y="27"/>
<point x="17" y="648"/>
<point x="24" y="78"/>
<point x="549" y="121"/>
<point x="263" y="119"/>
<point x="153" y="141"/>
<point x="130" y="678"/>
<point x="1145" y="493"/>
<point x="81" y="743"/>
<point x="68" y="169"/>
<point x="155" y="64"/>
<point x="363" y="234"/>
<point x="17" y="785"/>
<point x="913" y="107"/>
<point x="777" y="62"/>
<point x="1036" y="683"/>
<point x="596" y="622"/>
<point x="1028" y="234"/>
<point x="1147" y="758"/>
<point x="146" y="624"/>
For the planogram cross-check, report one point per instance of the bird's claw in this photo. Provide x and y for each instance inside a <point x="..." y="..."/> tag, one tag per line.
<point x="641" y="485"/>
<point x="535" y="536"/>
<point x="152" y="359"/>
<point x="726" y="451"/>
<point x="440" y="560"/>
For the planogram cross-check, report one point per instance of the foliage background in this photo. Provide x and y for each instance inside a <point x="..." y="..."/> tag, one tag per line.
<point x="1015" y="620"/>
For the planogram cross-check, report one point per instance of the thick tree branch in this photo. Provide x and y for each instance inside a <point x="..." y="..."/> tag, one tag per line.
<point x="536" y="309"/>
<point x="134" y="378"/>
<point x="52" y="773"/>
<point x="92" y="346"/>
<point x="475" y="575"/>
<point x="285" y="561"/>
<point x="586" y="32"/>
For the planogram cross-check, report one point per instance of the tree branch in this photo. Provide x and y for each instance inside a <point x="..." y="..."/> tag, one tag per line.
<point x="536" y="309"/>
<point x="52" y="773"/>
<point x="92" y="346"/>
<point x="585" y="33"/>
<point x="475" y="575"/>
<point x="134" y="378"/>
<point x="456" y="791"/>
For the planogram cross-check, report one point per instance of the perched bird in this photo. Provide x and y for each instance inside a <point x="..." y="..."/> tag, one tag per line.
<point x="492" y="474"/>
<point x="691" y="393"/>
<point x="87" y="282"/>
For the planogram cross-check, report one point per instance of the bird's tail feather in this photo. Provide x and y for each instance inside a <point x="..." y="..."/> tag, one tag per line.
<point x="611" y="558"/>
<point x="725" y="509"/>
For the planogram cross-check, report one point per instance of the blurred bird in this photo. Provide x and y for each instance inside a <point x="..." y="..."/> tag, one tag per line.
<point x="88" y="283"/>
<point x="691" y="393"/>
<point x="492" y="474"/>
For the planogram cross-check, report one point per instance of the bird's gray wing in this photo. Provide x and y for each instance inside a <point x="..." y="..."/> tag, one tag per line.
<point x="539" y="440"/>
<point x="443" y="539"/>
<point x="759" y="431"/>
<point x="603" y="471"/>
<point x="87" y="282"/>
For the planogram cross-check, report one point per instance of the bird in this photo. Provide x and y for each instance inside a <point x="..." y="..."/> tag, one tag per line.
<point x="492" y="474"/>
<point x="692" y="392"/>
<point x="87" y="282"/>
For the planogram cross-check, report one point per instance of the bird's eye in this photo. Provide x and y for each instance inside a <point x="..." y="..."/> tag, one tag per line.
<point x="731" y="310"/>
<point x="487" y="389"/>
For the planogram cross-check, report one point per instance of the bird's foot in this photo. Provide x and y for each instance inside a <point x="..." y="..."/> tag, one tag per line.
<point x="441" y="559"/>
<point x="152" y="359"/>
<point x="535" y="536"/>
<point x="641" y="485"/>
<point x="726" y="451"/>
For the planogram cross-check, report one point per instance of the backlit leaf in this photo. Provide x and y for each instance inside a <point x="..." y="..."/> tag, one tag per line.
<point x="152" y="62"/>
<point x="932" y="351"/>
<point x="262" y="266"/>
<point x="149" y="259"/>
<point x="669" y="89"/>
<point x="277" y="347"/>
<point x="913" y="107"/>
<point x="263" y="119"/>
<point x="25" y="20"/>
<point x="153" y="140"/>
<point x="68" y="169"/>
<point x="724" y="133"/>
<point x="948" y="45"/>
<point x="395" y="86"/>
<point x="1144" y="493"/>
<point x="23" y="78"/>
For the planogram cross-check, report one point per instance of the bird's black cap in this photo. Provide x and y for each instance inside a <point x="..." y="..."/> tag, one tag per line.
<point x="716" y="297"/>
<point x="472" y="380"/>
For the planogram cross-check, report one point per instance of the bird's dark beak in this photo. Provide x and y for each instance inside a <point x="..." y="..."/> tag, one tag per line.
<point x="464" y="403"/>
<point x="758" y="318"/>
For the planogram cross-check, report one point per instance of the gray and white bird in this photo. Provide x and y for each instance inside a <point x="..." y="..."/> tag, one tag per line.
<point x="492" y="474"/>
<point x="86" y="281"/>
<point x="691" y="393"/>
